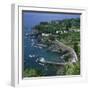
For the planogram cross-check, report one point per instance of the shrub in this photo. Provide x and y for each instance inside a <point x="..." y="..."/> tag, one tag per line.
<point x="72" y="69"/>
<point x="31" y="72"/>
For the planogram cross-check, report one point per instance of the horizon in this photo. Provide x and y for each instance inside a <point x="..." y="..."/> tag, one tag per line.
<point x="30" y="19"/>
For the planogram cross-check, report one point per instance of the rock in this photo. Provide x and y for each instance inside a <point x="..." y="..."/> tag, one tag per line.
<point x="59" y="47"/>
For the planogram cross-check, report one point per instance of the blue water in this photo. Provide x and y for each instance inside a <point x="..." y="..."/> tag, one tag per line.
<point x="32" y="52"/>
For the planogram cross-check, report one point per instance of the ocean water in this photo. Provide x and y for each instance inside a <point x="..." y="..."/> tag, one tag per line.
<point x="33" y="52"/>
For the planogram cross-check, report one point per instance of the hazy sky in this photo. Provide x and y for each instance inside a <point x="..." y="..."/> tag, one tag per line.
<point x="31" y="19"/>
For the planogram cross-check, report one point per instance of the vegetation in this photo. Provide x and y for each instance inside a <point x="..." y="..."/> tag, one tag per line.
<point x="32" y="72"/>
<point x="72" y="69"/>
<point x="58" y="25"/>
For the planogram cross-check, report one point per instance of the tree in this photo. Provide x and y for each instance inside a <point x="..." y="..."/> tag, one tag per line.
<point x="72" y="69"/>
<point x="76" y="48"/>
<point x="51" y="37"/>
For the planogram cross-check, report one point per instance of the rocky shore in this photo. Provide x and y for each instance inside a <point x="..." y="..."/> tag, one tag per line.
<point x="67" y="53"/>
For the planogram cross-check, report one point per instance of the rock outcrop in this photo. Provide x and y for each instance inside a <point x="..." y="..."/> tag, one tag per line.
<point x="66" y="51"/>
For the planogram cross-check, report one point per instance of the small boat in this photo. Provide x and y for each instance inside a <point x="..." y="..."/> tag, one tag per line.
<point x="31" y="56"/>
<point x="42" y="60"/>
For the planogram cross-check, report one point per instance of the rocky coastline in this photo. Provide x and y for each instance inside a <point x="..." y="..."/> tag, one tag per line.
<point x="67" y="53"/>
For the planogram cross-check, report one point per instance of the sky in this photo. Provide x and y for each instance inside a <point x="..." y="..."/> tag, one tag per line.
<point x="30" y="19"/>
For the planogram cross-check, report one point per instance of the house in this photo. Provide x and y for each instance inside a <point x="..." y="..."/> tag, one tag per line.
<point x="44" y="34"/>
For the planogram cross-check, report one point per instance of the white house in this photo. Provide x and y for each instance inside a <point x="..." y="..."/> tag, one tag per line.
<point x="44" y="34"/>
